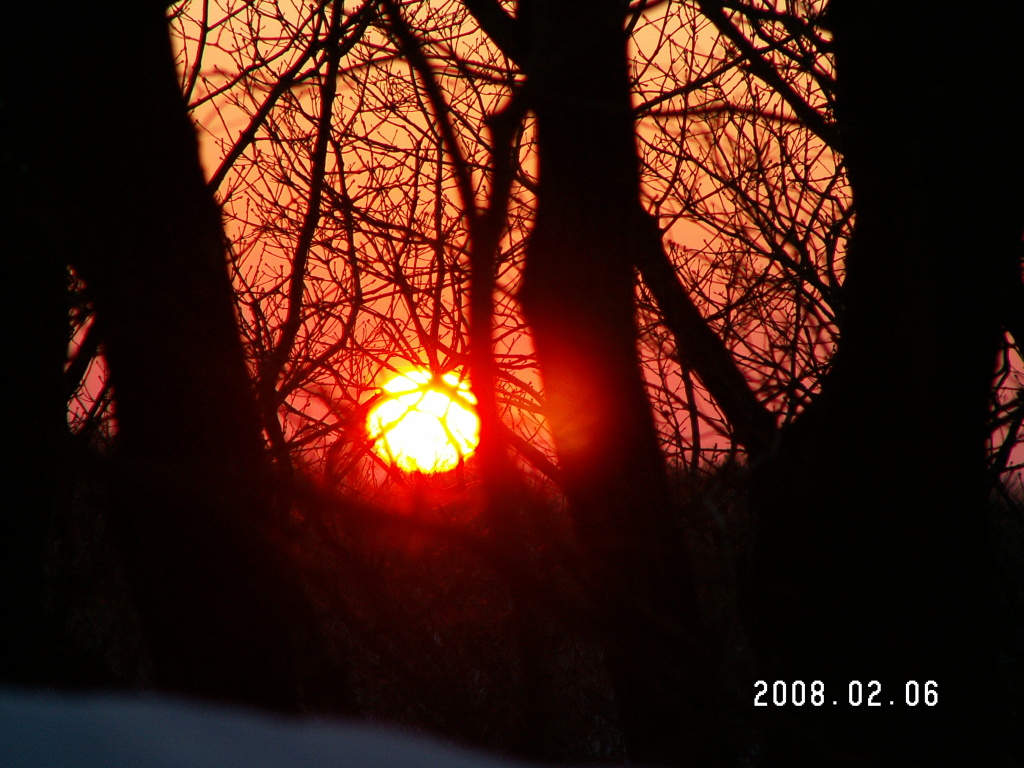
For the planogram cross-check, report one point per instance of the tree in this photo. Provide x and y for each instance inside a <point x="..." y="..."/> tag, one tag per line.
<point x="358" y="314"/>
<point x="860" y="531"/>
<point x="188" y="499"/>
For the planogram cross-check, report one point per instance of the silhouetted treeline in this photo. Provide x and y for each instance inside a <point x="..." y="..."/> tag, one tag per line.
<point x="857" y="541"/>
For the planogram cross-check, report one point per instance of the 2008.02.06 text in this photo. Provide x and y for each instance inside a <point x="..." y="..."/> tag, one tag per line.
<point x="797" y="693"/>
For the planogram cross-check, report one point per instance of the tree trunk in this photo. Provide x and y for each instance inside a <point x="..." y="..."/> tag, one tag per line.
<point x="221" y="613"/>
<point x="37" y="323"/>
<point x="873" y="560"/>
<point x="578" y="295"/>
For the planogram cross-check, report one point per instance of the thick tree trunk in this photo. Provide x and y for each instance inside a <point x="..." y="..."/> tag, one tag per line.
<point x="872" y="548"/>
<point x="578" y="294"/>
<point x="107" y="135"/>
<point x="37" y="323"/>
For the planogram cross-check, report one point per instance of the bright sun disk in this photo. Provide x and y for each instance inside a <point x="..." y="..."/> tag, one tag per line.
<point x="423" y="424"/>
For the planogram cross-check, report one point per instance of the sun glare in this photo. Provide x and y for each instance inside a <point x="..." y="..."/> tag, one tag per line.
<point x="423" y="423"/>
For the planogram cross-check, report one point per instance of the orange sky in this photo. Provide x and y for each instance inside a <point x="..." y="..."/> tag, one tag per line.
<point x="377" y="105"/>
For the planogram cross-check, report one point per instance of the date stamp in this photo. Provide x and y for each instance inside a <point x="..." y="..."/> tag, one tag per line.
<point x="799" y="693"/>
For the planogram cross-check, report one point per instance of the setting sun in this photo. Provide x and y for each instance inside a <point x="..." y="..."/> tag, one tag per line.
<point x="424" y="423"/>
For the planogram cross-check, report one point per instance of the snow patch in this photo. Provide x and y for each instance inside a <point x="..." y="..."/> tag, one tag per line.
<point x="113" y="730"/>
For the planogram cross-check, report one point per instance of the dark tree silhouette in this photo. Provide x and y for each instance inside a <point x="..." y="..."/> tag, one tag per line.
<point x="875" y="558"/>
<point x="578" y="297"/>
<point x="105" y="145"/>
